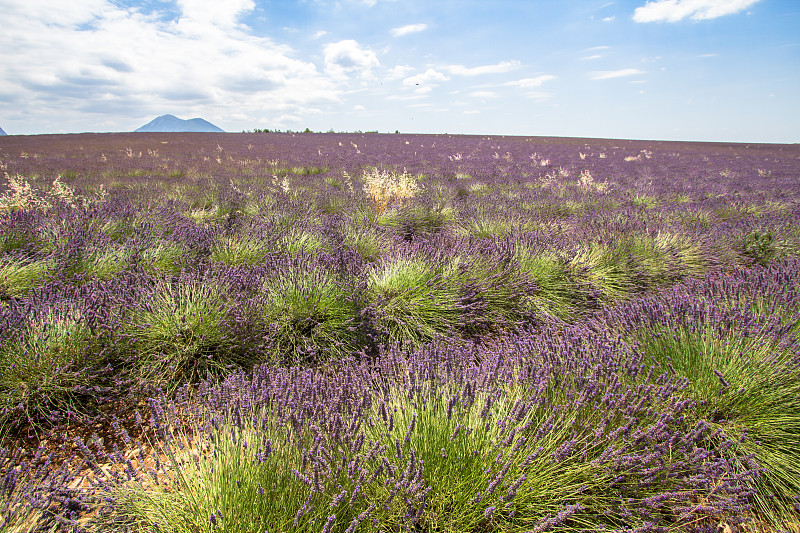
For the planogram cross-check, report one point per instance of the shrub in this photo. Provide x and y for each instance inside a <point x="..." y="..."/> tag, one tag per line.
<point x="557" y="292"/>
<point x="414" y="301"/>
<point x="178" y="332"/>
<point x="51" y="369"/>
<point x="744" y="373"/>
<point x="19" y="276"/>
<point x="308" y="313"/>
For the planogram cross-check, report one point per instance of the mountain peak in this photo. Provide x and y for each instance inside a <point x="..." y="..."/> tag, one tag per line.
<point x="173" y="124"/>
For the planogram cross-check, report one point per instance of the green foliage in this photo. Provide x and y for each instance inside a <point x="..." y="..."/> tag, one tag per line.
<point x="97" y="261"/>
<point x="746" y="384"/>
<point x="557" y="291"/>
<point x="760" y="247"/>
<point x="493" y="290"/>
<point x="309" y="314"/>
<point x="239" y="250"/>
<point x="261" y="478"/>
<point x="366" y="240"/>
<point x="483" y="225"/>
<point x="164" y="256"/>
<point x="43" y="369"/>
<point x="17" y="276"/>
<point x="607" y="267"/>
<point x="179" y="333"/>
<point x="414" y="301"/>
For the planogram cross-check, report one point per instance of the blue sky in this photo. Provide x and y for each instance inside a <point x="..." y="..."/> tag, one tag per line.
<point x="716" y="70"/>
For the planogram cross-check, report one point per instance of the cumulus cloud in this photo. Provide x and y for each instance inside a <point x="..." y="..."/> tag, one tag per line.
<point x="108" y="59"/>
<point x="677" y="10"/>
<point x="346" y="57"/>
<point x="399" y="71"/>
<point x="430" y="76"/>
<point x="410" y="28"/>
<point x="610" y="74"/>
<point x="214" y="12"/>
<point x="537" y="81"/>
<point x="498" y="68"/>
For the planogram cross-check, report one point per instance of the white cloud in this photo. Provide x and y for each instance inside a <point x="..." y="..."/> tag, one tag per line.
<point x="347" y="57"/>
<point x="399" y="71"/>
<point x="319" y="34"/>
<point x="103" y="59"/>
<point x="610" y="74"/>
<point x="503" y="66"/>
<point x="538" y="81"/>
<point x="405" y="96"/>
<point x="359" y="108"/>
<point x="612" y="18"/>
<point x="483" y="94"/>
<point x="213" y="12"/>
<point x="677" y="10"/>
<point x="430" y="76"/>
<point x="539" y="96"/>
<point x="410" y="28"/>
<point x="596" y="56"/>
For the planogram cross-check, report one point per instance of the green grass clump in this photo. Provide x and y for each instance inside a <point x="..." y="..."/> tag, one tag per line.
<point x="493" y="291"/>
<point x="367" y="240"/>
<point x="746" y="381"/>
<point x="481" y="225"/>
<point x="557" y="292"/>
<point x="298" y="240"/>
<point x="309" y="314"/>
<point x="48" y="370"/>
<point x="179" y="333"/>
<point x="414" y="300"/>
<point x="164" y="256"/>
<point x="239" y="250"/>
<point x="100" y="262"/>
<point x="255" y="476"/>
<point x="607" y="266"/>
<point x="17" y="277"/>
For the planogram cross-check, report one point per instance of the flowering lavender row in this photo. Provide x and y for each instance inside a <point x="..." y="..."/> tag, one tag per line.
<point x="574" y="428"/>
<point x="431" y="332"/>
<point x="570" y="428"/>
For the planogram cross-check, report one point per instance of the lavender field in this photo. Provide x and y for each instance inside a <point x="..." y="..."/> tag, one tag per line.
<point x="375" y="332"/>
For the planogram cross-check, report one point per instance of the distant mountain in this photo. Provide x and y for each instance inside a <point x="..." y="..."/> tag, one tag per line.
<point x="173" y="124"/>
<point x="2" y="132"/>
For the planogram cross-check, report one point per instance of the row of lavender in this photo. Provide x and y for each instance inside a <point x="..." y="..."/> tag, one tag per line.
<point x="672" y="412"/>
<point x="153" y="262"/>
<point x="91" y="317"/>
<point x="207" y="253"/>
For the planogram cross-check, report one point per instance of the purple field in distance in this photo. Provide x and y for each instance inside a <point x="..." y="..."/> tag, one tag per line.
<point x="545" y="334"/>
